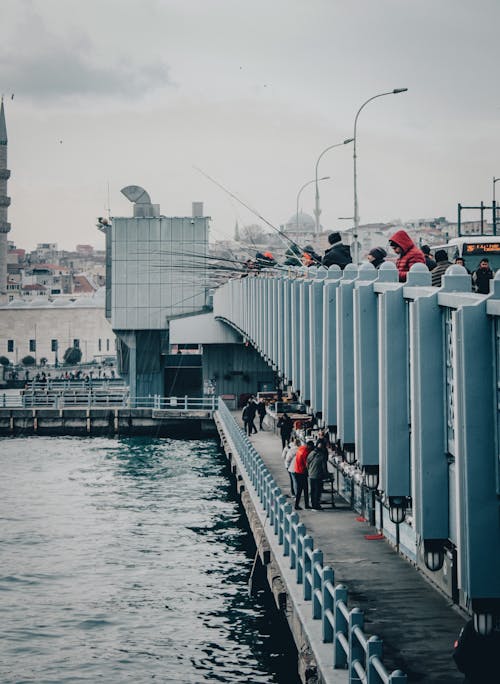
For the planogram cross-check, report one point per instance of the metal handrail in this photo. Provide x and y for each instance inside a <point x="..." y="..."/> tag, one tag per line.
<point x="101" y="399"/>
<point x="341" y="626"/>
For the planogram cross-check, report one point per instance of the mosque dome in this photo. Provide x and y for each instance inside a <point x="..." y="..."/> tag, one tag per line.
<point x="303" y="220"/>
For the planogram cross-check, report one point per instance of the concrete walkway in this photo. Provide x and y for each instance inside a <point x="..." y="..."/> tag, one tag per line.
<point x="417" y="623"/>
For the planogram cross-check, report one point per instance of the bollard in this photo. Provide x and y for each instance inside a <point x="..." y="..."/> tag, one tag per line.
<point x="313" y="584"/>
<point x="287" y="528"/>
<point x="306" y="543"/>
<point x="373" y="649"/>
<point x="298" y="531"/>
<point x="356" y="650"/>
<point x="327" y="589"/>
<point x="397" y="677"/>
<point x="340" y="626"/>
<point x="281" y="519"/>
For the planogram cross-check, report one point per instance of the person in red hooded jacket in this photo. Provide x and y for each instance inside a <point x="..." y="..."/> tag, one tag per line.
<point x="408" y="253"/>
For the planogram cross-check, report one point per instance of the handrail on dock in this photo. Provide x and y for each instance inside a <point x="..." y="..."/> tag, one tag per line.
<point x="341" y="626"/>
<point x="102" y="399"/>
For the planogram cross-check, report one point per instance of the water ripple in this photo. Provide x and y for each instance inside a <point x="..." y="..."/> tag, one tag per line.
<point x="124" y="560"/>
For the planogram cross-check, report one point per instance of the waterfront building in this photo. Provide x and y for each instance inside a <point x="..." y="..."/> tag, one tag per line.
<point x="32" y="327"/>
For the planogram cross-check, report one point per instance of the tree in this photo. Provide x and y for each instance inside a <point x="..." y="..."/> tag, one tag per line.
<point x="72" y="355"/>
<point x="4" y="361"/>
<point x="253" y="233"/>
<point x="28" y="360"/>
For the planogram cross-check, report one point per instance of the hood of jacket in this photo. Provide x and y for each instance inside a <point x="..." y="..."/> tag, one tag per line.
<point x="403" y="240"/>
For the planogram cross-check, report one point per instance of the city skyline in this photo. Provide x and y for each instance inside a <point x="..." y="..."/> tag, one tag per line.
<point x="103" y="98"/>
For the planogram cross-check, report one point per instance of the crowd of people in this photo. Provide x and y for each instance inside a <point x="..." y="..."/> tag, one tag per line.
<point x="304" y="458"/>
<point x="42" y="378"/>
<point x="406" y="254"/>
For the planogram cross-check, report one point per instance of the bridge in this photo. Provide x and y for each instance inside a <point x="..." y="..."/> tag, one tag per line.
<point x="406" y="378"/>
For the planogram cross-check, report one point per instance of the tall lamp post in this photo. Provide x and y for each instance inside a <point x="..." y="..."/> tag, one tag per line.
<point x="494" y="207"/>
<point x="314" y="180"/>
<point x="317" y="210"/>
<point x="356" y="208"/>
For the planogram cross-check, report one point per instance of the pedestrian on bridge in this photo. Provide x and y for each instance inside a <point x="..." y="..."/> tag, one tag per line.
<point x="482" y="276"/>
<point x="429" y="261"/>
<point x="376" y="256"/>
<point x="261" y="410"/>
<point x="300" y="472"/>
<point x="442" y="266"/>
<point x="337" y="253"/>
<point x="290" y="454"/>
<point x="285" y="424"/>
<point x="317" y="460"/>
<point x="248" y="417"/>
<point x="407" y="251"/>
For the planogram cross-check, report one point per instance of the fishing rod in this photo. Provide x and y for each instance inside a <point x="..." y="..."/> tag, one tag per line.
<point x="256" y="213"/>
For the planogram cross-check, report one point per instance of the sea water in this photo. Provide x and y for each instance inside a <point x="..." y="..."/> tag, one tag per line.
<point x="128" y="560"/>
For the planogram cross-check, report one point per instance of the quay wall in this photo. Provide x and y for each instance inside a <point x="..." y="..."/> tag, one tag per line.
<point x="113" y="422"/>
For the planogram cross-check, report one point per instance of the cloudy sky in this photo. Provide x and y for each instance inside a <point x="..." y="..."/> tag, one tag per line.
<point x="116" y="92"/>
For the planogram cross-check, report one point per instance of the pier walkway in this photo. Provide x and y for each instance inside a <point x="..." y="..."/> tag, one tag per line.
<point x="418" y="624"/>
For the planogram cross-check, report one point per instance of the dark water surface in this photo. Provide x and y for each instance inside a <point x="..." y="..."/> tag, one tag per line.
<point x="126" y="560"/>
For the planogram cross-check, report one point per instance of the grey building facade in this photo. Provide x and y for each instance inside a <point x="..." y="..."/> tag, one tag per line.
<point x="157" y="280"/>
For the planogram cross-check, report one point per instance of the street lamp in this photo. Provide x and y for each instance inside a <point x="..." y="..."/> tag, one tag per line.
<point x="396" y="91"/>
<point x="317" y="210"/>
<point x="494" y="207"/>
<point x="314" y="180"/>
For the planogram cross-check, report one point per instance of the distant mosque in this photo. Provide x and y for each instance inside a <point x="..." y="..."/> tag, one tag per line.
<point x="300" y="223"/>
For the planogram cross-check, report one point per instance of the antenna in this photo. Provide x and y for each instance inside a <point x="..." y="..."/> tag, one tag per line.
<point x="109" y="204"/>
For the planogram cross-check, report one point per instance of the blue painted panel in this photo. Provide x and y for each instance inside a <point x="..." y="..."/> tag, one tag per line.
<point x="280" y="324"/>
<point x="304" y="374"/>
<point x="287" y="329"/>
<point x="393" y="380"/>
<point x="345" y="356"/>
<point x="479" y="522"/>
<point x="296" y="333"/>
<point x="429" y="458"/>
<point x="329" y="398"/>
<point x="366" y="367"/>
<point x="316" y="341"/>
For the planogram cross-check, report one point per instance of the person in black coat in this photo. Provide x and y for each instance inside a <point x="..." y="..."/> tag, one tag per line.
<point x="285" y="424"/>
<point x="338" y="253"/>
<point x="376" y="256"/>
<point x="261" y="410"/>
<point x="477" y="656"/>
<point x="429" y="261"/>
<point x="482" y="276"/>
<point x="248" y="416"/>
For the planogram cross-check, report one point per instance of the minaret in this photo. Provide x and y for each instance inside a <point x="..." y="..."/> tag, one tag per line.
<point x="4" y="206"/>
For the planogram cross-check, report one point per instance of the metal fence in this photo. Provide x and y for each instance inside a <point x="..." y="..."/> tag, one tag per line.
<point x="102" y="399"/>
<point x="342" y="627"/>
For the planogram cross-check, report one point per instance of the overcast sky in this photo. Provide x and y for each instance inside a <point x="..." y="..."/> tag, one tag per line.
<point x="120" y="92"/>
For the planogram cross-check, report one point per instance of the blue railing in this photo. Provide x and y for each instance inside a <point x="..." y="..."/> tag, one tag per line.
<point x="342" y="627"/>
<point x="103" y="399"/>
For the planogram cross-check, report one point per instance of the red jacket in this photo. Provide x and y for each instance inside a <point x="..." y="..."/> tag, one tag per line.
<point x="301" y="460"/>
<point x="411" y="253"/>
